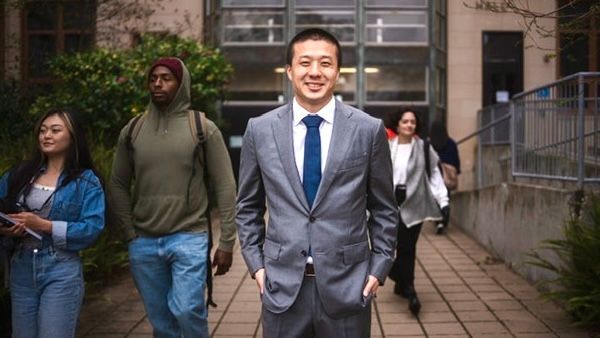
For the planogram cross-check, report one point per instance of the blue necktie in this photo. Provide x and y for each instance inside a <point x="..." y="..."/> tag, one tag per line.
<point x="312" y="157"/>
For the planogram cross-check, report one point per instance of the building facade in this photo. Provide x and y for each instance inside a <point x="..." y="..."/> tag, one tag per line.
<point x="447" y="58"/>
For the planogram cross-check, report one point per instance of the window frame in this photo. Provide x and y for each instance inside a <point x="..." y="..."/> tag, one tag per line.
<point x="59" y="32"/>
<point x="227" y="11"/>
<point x="592" y="34"/>
<point x="424" y="26"/>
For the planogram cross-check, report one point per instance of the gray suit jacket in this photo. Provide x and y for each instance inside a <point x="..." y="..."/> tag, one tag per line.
<point x="346" y="245"/>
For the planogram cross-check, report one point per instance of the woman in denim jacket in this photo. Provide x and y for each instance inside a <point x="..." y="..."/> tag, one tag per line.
<point x="58" y="196"/>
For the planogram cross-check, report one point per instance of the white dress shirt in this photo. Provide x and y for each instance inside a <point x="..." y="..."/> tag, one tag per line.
<point x="299" y="132"/>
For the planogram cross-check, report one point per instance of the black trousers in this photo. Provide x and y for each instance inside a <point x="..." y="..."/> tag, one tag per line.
<point x="403" y="270"/>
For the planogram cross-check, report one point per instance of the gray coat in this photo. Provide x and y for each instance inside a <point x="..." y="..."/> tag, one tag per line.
<point x="420" y="204"/>
<point x="346" y="246"/>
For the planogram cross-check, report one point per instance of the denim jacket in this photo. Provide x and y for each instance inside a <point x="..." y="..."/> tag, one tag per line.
<point x="77" y="211"/>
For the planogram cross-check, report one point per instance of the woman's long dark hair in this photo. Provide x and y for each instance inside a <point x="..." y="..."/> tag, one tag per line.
<point x="77" y="160"/>
<point x="438" y="135"/>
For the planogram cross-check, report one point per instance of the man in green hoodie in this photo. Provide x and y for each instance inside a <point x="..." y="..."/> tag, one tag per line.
<point x="159" y="197"/>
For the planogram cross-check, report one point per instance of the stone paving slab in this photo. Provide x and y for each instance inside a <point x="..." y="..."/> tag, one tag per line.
<point x="464" y="292"/>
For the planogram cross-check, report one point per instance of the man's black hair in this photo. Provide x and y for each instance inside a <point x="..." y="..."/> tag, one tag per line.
<point x="313" y="34"/>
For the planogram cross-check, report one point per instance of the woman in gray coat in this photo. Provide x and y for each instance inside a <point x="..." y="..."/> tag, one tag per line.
<point x="421" y="196"/>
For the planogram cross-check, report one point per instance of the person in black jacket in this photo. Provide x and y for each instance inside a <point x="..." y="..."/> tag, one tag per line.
<point x="447" y="150"/>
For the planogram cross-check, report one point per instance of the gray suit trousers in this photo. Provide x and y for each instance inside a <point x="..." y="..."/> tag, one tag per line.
<point x="306" y="318"/>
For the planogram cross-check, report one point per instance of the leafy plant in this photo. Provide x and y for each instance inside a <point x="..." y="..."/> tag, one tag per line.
<point x="102" y="261"/>
<point x="109" y="86"/>
<point x="15" y="124"/>
<point x="577" y="284"/>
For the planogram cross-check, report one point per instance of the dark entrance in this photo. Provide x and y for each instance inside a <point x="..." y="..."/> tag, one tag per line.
<point x="502" y="66"/>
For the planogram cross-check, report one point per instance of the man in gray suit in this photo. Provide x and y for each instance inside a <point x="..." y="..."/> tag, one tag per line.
<point x="318" y="166"/>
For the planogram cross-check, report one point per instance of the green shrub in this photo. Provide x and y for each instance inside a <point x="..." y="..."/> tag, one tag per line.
<point x="15" y="125"/>
<point x="103" y="261"/>
<point x="109" y="86"/>
<point x="577" y="285"/>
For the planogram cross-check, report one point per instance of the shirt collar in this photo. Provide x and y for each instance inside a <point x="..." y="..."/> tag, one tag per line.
<point x="327" y="112"/>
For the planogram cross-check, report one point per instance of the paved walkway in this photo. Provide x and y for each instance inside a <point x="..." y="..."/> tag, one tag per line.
<point x="464" y="293"/>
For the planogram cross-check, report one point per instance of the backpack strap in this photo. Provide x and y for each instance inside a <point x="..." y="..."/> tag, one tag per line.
<point x="197" y="121"/>
<point x="427" y="158"/>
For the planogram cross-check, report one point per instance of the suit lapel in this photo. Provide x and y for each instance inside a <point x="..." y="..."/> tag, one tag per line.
<point x="341" y="138"/>
<point x="282" y="132"/>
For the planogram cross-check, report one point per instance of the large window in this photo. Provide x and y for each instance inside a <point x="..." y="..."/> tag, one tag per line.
<point x="52" y="28"/>
<point x="259" y="76"/>
<point x="389" y="40"/>
<point x="393" y="51"/>
<point x="335" y="16"/>
<point x="253" y="37"/>
<point x="396" y="75"/>
<point x="395" y="27"/>
<point x="251" y="26"/>
<point x="579" y="36"/>
<point x="396" y="52"/>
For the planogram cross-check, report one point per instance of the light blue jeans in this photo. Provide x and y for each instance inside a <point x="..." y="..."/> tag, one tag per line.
<point x="170" y="274"/>
<point x="46" y="288"/>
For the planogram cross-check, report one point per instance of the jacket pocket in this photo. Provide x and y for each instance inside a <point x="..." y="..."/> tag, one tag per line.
<point x="353" y="162"/>
<point x="271" y="249"/>
<point x="355" y="253"/>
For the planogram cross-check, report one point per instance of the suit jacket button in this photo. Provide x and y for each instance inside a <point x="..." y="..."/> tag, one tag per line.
<point x="312" y="219"/>
<point x="304" y="253"/>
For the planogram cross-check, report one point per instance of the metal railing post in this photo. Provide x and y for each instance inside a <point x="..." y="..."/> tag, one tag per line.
<point x="580" y="132"/>
<point x="290" y="33"/>
<point x="512" y="137"/>
<point x="479" y="155"/>
<point x="360" y="89"/>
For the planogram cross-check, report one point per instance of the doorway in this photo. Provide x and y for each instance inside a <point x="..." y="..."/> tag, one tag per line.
<point x="502" y="66"/>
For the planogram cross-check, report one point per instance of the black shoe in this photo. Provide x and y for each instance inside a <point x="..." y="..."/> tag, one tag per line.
<point x="413" y="304"/>
<point x="439" y="230"/>
<point x="399" y="290"/>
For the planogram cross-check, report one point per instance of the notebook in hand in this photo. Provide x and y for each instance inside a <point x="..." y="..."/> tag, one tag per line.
<point x="6" y="221"/>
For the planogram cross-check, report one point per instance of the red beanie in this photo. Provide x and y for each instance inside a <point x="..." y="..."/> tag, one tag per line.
<point x="174" y="65"/>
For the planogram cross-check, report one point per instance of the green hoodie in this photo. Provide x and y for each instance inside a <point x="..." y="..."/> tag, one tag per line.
<point x="157" y="204"/>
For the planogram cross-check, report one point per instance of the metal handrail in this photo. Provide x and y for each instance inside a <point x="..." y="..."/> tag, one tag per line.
<point x="484" y="128"/>
<point x="564" y="79"/>
<point x="536" y="127"/>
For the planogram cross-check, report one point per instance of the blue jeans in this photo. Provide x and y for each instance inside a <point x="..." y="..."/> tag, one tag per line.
<point x="46" y="287"/>
<point x="170" y="274"/>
